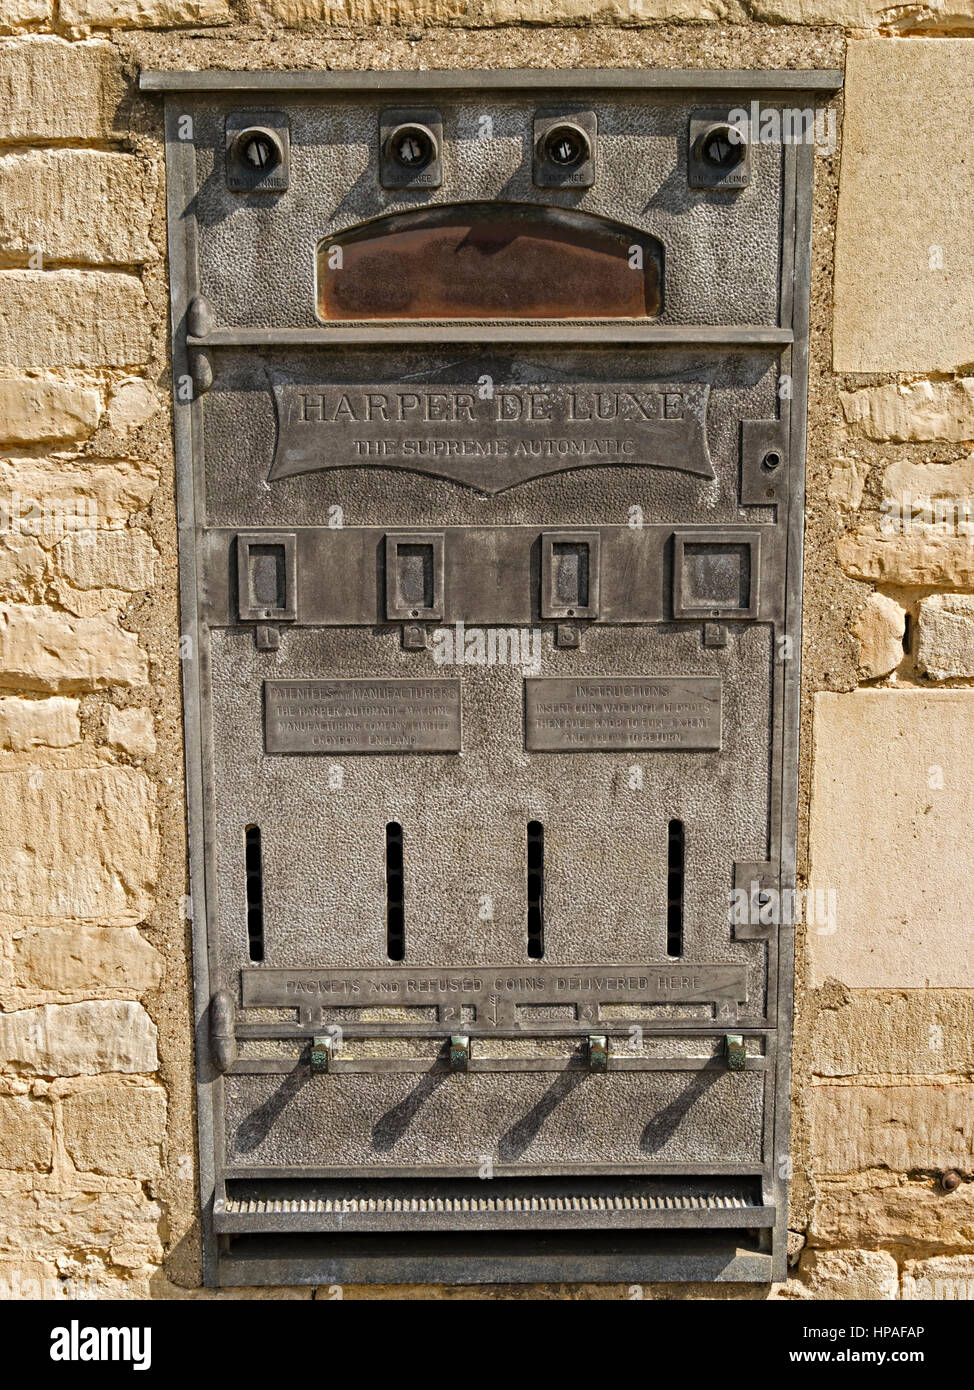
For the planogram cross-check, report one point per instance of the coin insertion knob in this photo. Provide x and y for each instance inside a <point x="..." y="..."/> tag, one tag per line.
<point x="566" y="145"/>
<point x="258" y="150"/>
<point x="721" y="145"/>
<point x="411" y="146"/>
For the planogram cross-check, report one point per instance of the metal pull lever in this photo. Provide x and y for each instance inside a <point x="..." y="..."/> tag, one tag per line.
<point x="459" y="1052"/>
<point x="598" y="1052"/>
<point x="322" y="1053"/>
<point x="734" y="1051"/>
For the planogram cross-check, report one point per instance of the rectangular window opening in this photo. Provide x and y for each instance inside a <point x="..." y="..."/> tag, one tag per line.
<point x="675" y="861"/>
<point x="255" y="892"/>
<point x="268" y="576"/>
<point x="535" y="890"/>
<point x="570" y="566"/>
<point x="395" y="918"/>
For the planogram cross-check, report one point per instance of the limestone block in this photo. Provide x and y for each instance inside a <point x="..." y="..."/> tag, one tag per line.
<point x="20" y="14"/>
<point x="921" y="484"/>
<point x="846" y="484"/>
<point x="26" y="724"/>
<point x="86" y="1039"/>
<point x="81" y="960"/>
<point x="73" y="318"/>
<point x="916" y="560"/>
<point x="51" y="89"/>
<point x="107" y="560"/>
<point x="867" y="14"/>
<point x="132" y="402"/>
<point x="892" y="806"/>
<point x="920" y="411"/>
<point x="77" y="844"/>
<point x="22" y="563"/>
<point x="910" y="1031"/>
<point x="904" y="258"/>
<point x="26" y="1133"/>
<point x="879" y="630"/>
<point x="944" y="1277"/>
<point x="76" y="205"/>
<point x="846" y="1274"/>
<point x="43" y="649"/>
<point x="48" y="499"/>
<point x="901" y="1128"/>
<point x="33" y="410"/>
<point x="117" y="1130"/>
<point x="89" y="1224"/>
<point x="916" y="1214"/>
<point x="142" y="14"/>
<point x="945" y="636"/>
<point x="132" y="730"/>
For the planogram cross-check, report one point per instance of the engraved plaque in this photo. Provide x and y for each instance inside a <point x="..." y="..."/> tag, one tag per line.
<point x="588" y="713"/>
<point x="362" y="716"/>
<point x="496" y="995"/>
<point x="496" y="441"/>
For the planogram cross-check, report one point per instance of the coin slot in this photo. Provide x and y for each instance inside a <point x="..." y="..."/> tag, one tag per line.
<point x="675" y="864"/>
<point x="253" y="861"/>
<point x="535" y="889"/>
<point x="566" y="146"/>
<point x="411" y="146"/>
<point x="395" y="911"/>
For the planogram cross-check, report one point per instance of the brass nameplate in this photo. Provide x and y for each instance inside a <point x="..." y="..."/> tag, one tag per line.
<point x="642" y="713"/>
<point x="362" y="716"/>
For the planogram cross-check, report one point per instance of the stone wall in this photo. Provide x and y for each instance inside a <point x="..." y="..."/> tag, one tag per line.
<point x="97" y="1149"/>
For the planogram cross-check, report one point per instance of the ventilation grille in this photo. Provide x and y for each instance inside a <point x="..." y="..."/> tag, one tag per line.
<point x="382" y="1206"/>
<point x="495" y="1205"/>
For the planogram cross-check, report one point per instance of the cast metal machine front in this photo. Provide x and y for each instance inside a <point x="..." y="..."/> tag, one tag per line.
<point x="489" y="411"/>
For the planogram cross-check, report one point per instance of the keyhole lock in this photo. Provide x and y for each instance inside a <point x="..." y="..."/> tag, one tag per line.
<point x="771" y="461"/>
<point x="259" y="151"/>
<point x="566" y="146"/>
<point x="722" y="146"/>
<point x="412" y="147"/>
<point x="718" y="152"/>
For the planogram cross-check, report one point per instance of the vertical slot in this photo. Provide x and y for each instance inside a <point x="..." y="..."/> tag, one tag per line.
<point x="675" y="862"/>
<point x="570" y="574"/>
<point x="268" y="576"/>
<point x="415" y="588"/>
<point x="395" y="918"/>
<point x="535" y="889"/>
<point x="255" y="892"/>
